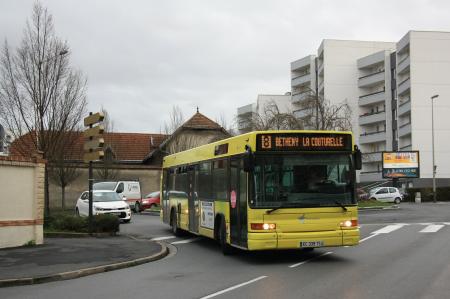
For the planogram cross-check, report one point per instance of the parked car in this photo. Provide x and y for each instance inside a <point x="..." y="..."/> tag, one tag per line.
<point x="104" y="202"/>
<point x="129" y="189"/>
<point x="151" y="200"/>
<point x="386" y="194"/>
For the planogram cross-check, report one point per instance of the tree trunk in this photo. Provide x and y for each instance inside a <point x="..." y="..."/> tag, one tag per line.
<point x="46" y="193"/>
<point x="63" y="197"/>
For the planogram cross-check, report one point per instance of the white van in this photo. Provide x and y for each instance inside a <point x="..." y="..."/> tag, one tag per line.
<point x="130" y="189"/>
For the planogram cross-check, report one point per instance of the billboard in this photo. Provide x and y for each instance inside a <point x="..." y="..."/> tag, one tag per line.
<point x="401" y="164"/>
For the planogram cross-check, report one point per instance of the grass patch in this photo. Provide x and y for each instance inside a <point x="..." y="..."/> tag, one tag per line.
<point x="373" y="203"/>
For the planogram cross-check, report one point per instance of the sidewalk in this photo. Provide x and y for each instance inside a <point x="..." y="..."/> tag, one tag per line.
<point x="65" y="258"/>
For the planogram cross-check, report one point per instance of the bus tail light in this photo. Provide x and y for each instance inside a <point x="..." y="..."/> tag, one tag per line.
<point x="349" y="223"/>
<point x="263" y="226"/>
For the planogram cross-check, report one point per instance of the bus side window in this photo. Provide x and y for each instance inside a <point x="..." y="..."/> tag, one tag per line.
<point x="205" y="181"/>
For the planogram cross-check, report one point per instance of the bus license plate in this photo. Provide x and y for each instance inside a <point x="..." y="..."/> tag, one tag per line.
<point x="311" y="244"/>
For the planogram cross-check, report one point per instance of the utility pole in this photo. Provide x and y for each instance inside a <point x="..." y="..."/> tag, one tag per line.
<point x="432" y="146"/>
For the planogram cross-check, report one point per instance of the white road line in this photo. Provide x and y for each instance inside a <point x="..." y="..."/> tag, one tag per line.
<point x="432" y="228"/>
<point x="447" y="223"/>
<point x="388" y="229"/>
<point x="367" y="238"/>
<point x="233" y="287"/>
<point x="163" y="238"/>
<point x="313" y="258"/>
<point x="185" y="241"/>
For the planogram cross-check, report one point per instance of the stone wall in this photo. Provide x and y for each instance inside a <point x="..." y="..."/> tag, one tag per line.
<point x="21" y="201"/>
<point x="148" y="176"/>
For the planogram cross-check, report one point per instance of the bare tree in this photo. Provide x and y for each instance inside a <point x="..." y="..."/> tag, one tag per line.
<point x="41" y="95"/>
<point x="107" y="169"/>
<point x="176" y="119"/>
<point x="320" y="114"/>
<point x="271" y="119"/>
<point x="63" y="169"/>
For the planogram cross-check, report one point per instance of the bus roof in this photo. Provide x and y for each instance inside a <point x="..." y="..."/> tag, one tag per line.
<point x="234" y="145"/>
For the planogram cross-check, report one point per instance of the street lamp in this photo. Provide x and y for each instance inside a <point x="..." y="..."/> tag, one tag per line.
<point x="432" y="146"/>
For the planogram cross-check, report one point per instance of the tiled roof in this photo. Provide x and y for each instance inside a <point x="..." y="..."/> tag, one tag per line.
<point x="199" y="121"/>
<point x="126" y="146"/>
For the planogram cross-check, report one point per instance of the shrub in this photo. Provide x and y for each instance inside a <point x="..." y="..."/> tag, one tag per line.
<point x="106" y="223"/>
<point x="63" y="222"/>
<point x="443" y="194"/>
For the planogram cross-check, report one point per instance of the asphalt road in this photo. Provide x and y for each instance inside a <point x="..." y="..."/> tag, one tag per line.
<point x="403" y="253"/>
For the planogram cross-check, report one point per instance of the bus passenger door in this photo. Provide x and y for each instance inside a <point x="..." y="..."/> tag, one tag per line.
<point x="193" y="199"/>
<point x="238" y="203"/>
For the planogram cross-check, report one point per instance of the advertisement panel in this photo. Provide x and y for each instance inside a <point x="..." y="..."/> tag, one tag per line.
<point x="401" y="164"/>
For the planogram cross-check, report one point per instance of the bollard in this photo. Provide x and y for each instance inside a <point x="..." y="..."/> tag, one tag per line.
<point x="418" y="198"/>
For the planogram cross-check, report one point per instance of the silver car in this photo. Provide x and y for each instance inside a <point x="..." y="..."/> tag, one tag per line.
<point x="386" y="194"/>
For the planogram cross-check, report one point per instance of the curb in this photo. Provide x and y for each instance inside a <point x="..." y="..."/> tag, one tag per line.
<point x="86" y="271"/>
<point x="77" y="235"/>
<point x="394" y="207"/>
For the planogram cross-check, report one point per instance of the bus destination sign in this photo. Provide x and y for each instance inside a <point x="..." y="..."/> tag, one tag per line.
<point x="304" y="142"/>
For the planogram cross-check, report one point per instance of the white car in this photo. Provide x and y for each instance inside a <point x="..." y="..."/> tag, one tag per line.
<point x="386" y="194"/>
<point x="104" y="202"/>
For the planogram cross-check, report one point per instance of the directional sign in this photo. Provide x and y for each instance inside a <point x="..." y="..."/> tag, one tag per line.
<point x="94" y="132"/>
<point x="94" y="143"/>
<point x="93" y="119"/>
<point x="93" y="156"/>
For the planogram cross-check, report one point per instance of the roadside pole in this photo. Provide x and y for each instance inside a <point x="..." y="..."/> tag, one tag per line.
<point x="93" y="151"/>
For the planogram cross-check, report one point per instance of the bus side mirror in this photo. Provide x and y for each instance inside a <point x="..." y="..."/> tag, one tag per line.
<point x="249" y="161"/>
<point x="358" y="158"/>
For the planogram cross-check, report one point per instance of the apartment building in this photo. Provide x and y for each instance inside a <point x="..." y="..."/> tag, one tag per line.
<point x="245" y="114"/>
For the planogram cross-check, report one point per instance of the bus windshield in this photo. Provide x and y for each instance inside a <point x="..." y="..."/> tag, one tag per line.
<point x="302" y="180"/>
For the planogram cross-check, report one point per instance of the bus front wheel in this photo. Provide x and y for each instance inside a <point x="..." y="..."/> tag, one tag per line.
<point x="226" y="248"/>
<point x="174" y="223"/>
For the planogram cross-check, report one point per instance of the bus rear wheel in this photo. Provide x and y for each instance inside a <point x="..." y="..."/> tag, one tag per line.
<point x="174" y="223"/>
<point x="226" y="248"/>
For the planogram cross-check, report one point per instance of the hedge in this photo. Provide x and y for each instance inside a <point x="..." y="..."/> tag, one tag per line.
<point x="442" y="194"/>
<point x="105" y="223"/>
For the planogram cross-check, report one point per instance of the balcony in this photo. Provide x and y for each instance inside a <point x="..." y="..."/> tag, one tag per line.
<point x="299" y="97"/>
<point x="404" y="87"/>
<point x="247" y="109"/>
<point x="372" y="137"/>
<point x="404" y="108"/>
<point x="371" y="118"/>
<point x="372" y="157"/>
<point x="305" y="113"/>
<point x="301" y="80"/>
<point x="404" y="130"/>
<point x="372" y="60"/>
<point x="403" y="66"/>
<point x="303" y="63"/>
<point x="372" y="98"/>
<point x="371" y="80"/>
<point x="406" y="147"/>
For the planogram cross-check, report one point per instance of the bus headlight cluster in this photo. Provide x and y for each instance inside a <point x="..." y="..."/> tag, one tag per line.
<point x="263" y="226"/>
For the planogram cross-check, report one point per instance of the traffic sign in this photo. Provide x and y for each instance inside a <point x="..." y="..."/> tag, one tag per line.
<point x="93" y="119"/>
<point x="94" y="132"/>
<point x="94" y="155"/>
<point x="96" y="142"/>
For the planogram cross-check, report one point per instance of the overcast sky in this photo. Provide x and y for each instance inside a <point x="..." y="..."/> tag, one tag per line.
<point x="143" y="57"/>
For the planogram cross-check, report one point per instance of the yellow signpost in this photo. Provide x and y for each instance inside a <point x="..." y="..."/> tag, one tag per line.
<point x="93" y="149"/>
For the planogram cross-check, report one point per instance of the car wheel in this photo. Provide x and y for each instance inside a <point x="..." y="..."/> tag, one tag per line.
<point x="127" y="220"/>
<point x="77" y="213"/>
<point x="152" y="206"/>
<point x="137" y="207"/>
<point x="373" y="198"/>
<point x="397" y="200"/>
<point x="174" y="223"/>
<point x="226" y="248"/>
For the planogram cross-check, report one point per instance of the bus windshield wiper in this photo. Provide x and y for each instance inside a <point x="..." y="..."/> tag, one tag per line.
<point x="272" y="210"/>
<point x="341" y="205"/>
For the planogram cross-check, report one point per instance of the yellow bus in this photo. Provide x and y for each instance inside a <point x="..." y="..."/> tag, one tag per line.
<point x="266" y="190"/>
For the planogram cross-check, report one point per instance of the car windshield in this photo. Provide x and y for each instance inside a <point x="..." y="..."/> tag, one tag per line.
<point x="302" y="180"/>
<point x="105" y="186"/>
<point x="106" y="196"/>
<point x="153" y="194"/>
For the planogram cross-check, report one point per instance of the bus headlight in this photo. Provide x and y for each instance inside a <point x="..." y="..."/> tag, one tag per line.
<point x="263" y="226"/>
<point x="349" y="223"/>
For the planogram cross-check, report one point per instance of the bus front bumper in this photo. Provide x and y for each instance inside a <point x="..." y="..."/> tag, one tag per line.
<point x="279" y="240"/>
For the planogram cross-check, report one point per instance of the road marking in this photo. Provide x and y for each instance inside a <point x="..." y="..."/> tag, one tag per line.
<point x="367" y="238"/>
<point x="432" y="228"/>
<point x="447" y="223"/>
<point x="313" y="258"/>
<point x="388" y="229"/>
<point x="233" y="287"/>
<point x="185" y="241"/>
<point x="163" y="238"/>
